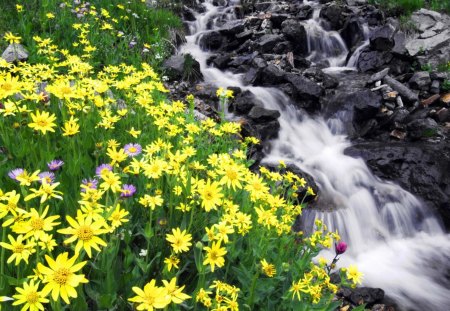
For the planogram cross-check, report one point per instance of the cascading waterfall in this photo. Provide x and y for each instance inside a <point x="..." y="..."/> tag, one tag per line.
<point x="393" y="239"/>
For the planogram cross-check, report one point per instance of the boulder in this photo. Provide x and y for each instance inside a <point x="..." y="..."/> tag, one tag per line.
<point x="352" y="33"/>
<point x="296" y="33"/>
<point x="422" y="128"/>
<point x="260" y="115"/>
<point x="182" y="67"/>
<point x="15" y="52"/>
<point x="303" y="87"/>
<point x="232" y="28"/>
<point x="360" y="295"/>
<point x="305" y="12"/>
<point x="212" y="40"/>
<point x="382" y="39"/>
<point x="370" y="61"/>
<point x="420" y="81"/>
<point x="333" y="14"/>
<point x="244" y="102"/>
<point x="271" y="75"/>
<point x="266" y="43"/>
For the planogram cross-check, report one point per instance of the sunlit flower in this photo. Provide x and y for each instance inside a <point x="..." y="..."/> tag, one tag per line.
<point x="43" y="122"/>
<point x="353" y="274"/>
<point x="20" y="251"/>
<point x="55" y="165"/>
<point x="15" y="172"/>
<point x="12" y="39"/>
<point x="172" y="261"/>
<point x="102" y="169"/>
<point x="36" y="224"/>
<point x="180" y="240"/>
<point x="152" y="297"/>
<point x="60" y="277"/>
<point x="49" y="177"/>
<point x="127" y="191"/>
<point x="214" y="255"/>
<point x="175" y="293"/>
<point x="268" y="268"/>
<point x="30" y="295"/>
<point x="132" y="150"/>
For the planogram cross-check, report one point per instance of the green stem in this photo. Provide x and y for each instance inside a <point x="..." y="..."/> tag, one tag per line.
<point x="2" y="262"/>
<point x="252" y="290"/>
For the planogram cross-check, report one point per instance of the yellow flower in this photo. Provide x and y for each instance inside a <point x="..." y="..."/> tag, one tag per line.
<point x="110" y="181"/>
<point x="214" y="255"/>
<point x="231" y="175"/>
<point x="117" y="156"/>
<point x="46" y="191"/>
<point x="152" y="297"/>
<point x="353" y="274"/>
<point x="86" y="232"/>
<point x="19" y="8"/>
<point x="180" y="240"/>
<point x="210" y="194"/>
<point x="117" y="217"/>
<point x="152" y="202"/>
<point x="268" y="268"/>
<point x="43" y="122"/>
<point x="175" y="293"/>
<point x="134" y="133"/>
<point x="60" y="276"/>
<point x="50" y="15"/>
<point x="37" y="224"/>
<point x="19" y="250"/>
<point x="25" y="179"/>
<point x="12" y="39"/>
<point x="9" y="85"/>
<point x="71" y="127"/>
<point x="172" y="261"/>
<point x="30" y="296"/>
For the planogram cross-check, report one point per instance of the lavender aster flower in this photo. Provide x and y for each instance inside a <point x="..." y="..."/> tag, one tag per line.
<point x="15" y="172"/>
<point x="132" y="149"/>
<point x="48" y="176"/>
<point x="54" y="165"/>
<point x="90" y="183"/>
<point x="127" y="191"/>
<point x="103" y="168"/>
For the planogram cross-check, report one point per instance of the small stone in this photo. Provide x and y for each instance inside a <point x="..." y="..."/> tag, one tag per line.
<point x="420" y="80"/>
<point x="430" y="100"/>
<point x="376" y="77"/>
<point x="389" y="105"/>
<point x="398" y="134"/>
<point x="378" y="83"/>
<point x="399" y="101"/>
<point x="435" y="87"/>
<point x="15" y="52"/>
<point x="443" y="115"/>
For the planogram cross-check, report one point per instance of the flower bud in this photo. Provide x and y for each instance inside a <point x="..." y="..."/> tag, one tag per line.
<point x="340" y="248"/>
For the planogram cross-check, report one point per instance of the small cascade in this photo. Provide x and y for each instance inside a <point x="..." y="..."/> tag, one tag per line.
<point x="393" y="239"/>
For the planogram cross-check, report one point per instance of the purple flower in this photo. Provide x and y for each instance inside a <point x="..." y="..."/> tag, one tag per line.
<point x="15" y="172"/>
<point x="90" y="183"/>
<point x="103" y="168"/>
<point x="132" y="149"/>
<point x="48" y="176"/>
<point x="127" y="191"/>
<point x="54" y="165"/>
<point x="340" y="248"/>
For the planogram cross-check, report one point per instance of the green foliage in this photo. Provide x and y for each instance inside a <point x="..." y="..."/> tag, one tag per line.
<point x="400" y="7"/>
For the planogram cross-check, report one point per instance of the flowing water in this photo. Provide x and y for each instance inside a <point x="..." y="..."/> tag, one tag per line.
<point x="393" y="239"/>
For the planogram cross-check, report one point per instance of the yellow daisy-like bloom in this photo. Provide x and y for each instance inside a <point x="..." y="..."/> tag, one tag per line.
<point x="110" y="181"/>
<point x="43" y="122"/>
<point x="86" y="232"/>
<point x="210" y="194"/>
<point x="71" y="127"/>
<point x="353" y="274"/>
<point x="46" y="191"/>
<point x="12" y="39"/>
<point x="268" y="268"/>
<point x="60" y="277"/>
<point x="214" y="255"/>
<point x="180" y="240"/>
<point x="30" y="296"/>
<point x="231" y="175"/>
<point x="152" y="297"/>
<point x="19" y="250"/>
<point x="151" y="201"/>
<point x="9" y="85"/>
<point x="36" y="224"/>
<point x="172" y="261"/>
<point x="175" y="293"/>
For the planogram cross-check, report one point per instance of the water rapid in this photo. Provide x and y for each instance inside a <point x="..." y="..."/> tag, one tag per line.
<point x="393" y="239"/>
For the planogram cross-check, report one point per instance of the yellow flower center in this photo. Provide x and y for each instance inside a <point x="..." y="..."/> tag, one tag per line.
<point x="231" y="174"/>
<point x="6" y="86"/>
<point x="132" y="149"/>
<point x="213" y="255"/>
<point x="208" y="195"/>
<point x="32" y="298"/>
<point x="61" y="275"/>
<point x="42" y="123"/>
<point x="85" y="233"/>
<point x="37" y="223"/>
<point x="66" y="90"/>
<point x="18" y="248"/>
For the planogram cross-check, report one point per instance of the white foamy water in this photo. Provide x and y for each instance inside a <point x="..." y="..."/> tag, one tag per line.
<point x="393" y="239"/>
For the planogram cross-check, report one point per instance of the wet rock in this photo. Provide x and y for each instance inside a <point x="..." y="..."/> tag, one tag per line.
<point x="382" y="38"/>
<point x="435" y="87"/>
<point x="420" y="81"/>
<point x="188" y="14"/>
<point x="251" y="77"/>
<point x="422" y="168"/>
<point x="212" y="40"/>
<point x="352" y="33"/>
<point x="333" y="14"/>
<point x="277" y="19"/>
<point x="366" y="105"/>
<point x="221" y="61"/>
<point x="232" y="28"/>
<point x="403" y="90"/>
<point x="244" y="102"/>
<point x="305" y="12"/>
<point x="261" y="115"/>
<point x="296" y="33"/>
<point x="443" y="115"/>
<point x="422" y="128"/>
<point x="182" y="67"/>
<point x="15" y="52"/>
<point x="370" y="61"/>
<point x="271" y="75"/>
<point x="266" y="43"/>
<point x="267" y="130"/>
<point x="244" y="35"/>
<point x="329" y="82"/>
<point x="305" y="90"/>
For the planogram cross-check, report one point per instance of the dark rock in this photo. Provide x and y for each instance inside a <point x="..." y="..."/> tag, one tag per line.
<point x="367" y="128"/>
<point x="366" y="295"/>
<point x="422" y="168"/>
<point x="303" y="87"/>
<point x="378" y="76"/>
<point x="366" y="105"/>
<point x="277" y="19"/>
<point x="221" y="61"/>
<point x="373" y="60"/>
<point x="382" y="39"/>
<point x="296" y="33"/>
<point x="305" y="12"/>
<point x="266" y="43"/>
<point x="232" y="28"/>
<point x="271" y="75"/>
<point x="333" y="14"/>
<point x="212" y="40"/>
<point x="443" y="115"/>
<point x="261" y="115"/>
<point x="420" y="80"/>
<point x="267" y="130"/>
<point x="435" y="87"/>
<point x="352" y="33"/>
<point x="422" y="128"/>
<point x="399" y="44"/>
<point x="251" y="76"/>
<point x="440" y="75"/>
<point x="182" y="66"/>
<point x="244" y="102"/>
<point x="403" y="90"/>
<point x="329" y="82"/>
<point x="244" y="35"/>
<point x="188" y="14"/>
